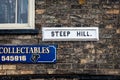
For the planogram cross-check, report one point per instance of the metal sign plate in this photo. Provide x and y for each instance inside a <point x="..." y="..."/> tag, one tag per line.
<point x="70" y="34"/>
<point x="27" y="54"/>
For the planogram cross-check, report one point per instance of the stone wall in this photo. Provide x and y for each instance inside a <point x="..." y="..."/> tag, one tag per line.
<point x="78" y="57"/>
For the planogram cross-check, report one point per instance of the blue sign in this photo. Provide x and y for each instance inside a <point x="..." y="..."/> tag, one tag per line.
<point x="27" y="54"/>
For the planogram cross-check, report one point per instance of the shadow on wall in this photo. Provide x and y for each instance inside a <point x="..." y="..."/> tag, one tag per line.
<point x="61" y="77"/>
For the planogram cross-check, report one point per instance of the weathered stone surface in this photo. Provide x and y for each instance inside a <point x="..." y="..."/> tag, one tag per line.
<point x="108" y="71"/>
<point x="2" y="72"/>
<point x="109" y="26"/>
<point x="29" y="67"/>
<point x="84" y="61"/>
<point x="113" y="11"/>
<point x="64" y="66"/>
<point x="23" y="72"/>
<point x="118" y="31"/>
<point x="1" y="67"/>
<point x="81" y="57"/>
<point x="40" y="71"/>
<point x="12" y="72"/>
<point x="51" y="71"/>
<point x="24" y="41"/>
<point x="9" y="67"/>
<point x="40" y="11"/>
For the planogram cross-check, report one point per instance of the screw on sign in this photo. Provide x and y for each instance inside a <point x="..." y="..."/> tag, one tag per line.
<point x="81" y="1"/>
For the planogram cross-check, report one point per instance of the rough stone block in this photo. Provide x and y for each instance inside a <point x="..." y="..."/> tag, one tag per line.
<point x="106" y="66"/>
<point x="1" y="67"/>
<point x="50" y="71"/>
<point x="75" y="6"/>
<point x="114" y="11"/>
<point x="110" y="26"/>
<point x="2" y="72"/>
<point x="9" y="67"/>
<point x="118" y="31"/>
<point x="83" y="61"/>
<point x="26" y="72"/>
<point x="12" y="72"/>
<point x="78" y="66"/>
<point x="64" y="66"/>
<point x="40" y="11"/>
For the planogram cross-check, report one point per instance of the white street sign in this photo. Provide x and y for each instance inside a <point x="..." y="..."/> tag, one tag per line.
<point x="70" y="34"/>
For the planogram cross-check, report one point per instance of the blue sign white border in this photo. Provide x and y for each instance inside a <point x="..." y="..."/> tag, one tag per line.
<point x="38" y="62"/>
<point x="53" y="59"/>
